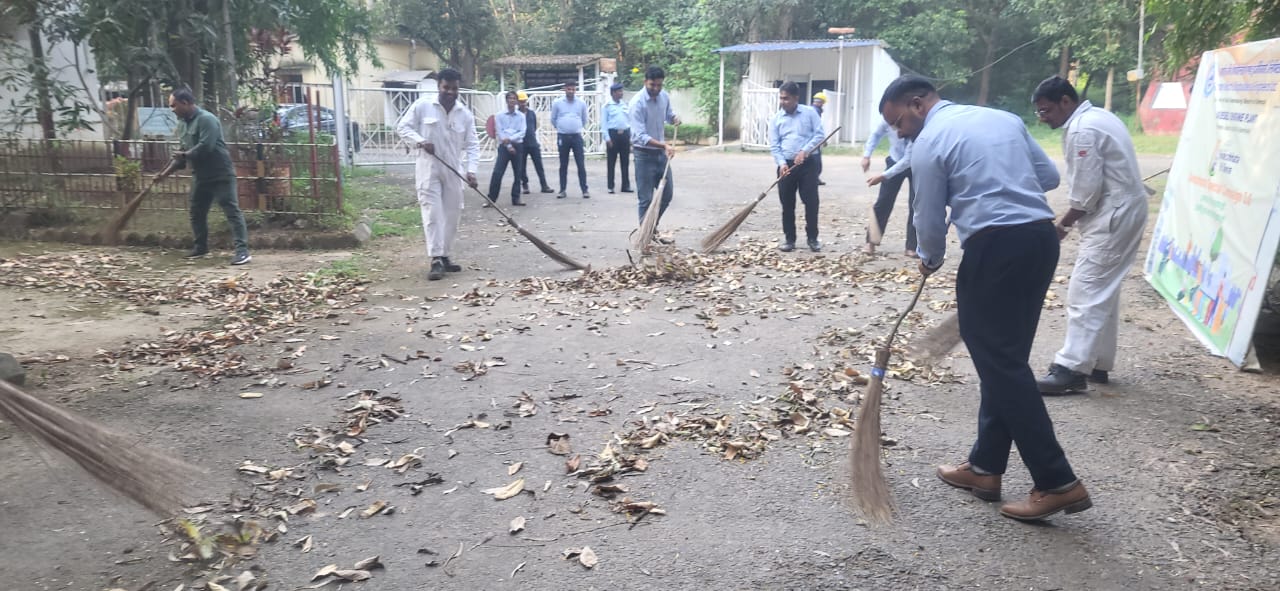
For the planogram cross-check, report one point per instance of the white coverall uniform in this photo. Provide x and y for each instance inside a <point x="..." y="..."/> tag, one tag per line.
<point x="439" y="191"/>
<point x="1105" y="182"/>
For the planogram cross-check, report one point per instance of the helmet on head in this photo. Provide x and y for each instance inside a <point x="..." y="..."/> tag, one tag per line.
<point x="521" y="96"/>
<point x="821" y="96"/>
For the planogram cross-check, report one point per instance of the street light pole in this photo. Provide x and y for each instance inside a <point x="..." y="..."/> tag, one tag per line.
<point x="840" y="32"/>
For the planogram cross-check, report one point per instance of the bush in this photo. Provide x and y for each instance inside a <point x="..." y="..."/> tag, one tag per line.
<point x="690" y="133"/>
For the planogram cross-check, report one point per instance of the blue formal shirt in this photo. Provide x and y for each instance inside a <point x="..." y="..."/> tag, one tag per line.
<point x="511" y="126"/>
<point x="900" y="166"/>
<point x="649" y="115"/>
<point x="897" y="145"/>
<point x="568" y="117"/>
<point x="983" y="164"/>
<point x="615" y="117"/>
<point x="794" y="132"/>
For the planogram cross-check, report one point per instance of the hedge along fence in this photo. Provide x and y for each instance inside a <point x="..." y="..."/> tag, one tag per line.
<point x="100" y="176"/>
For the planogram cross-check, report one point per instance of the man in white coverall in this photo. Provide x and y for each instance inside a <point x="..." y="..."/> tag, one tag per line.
<point x="1109" y="205"/>
<point x="440" y="127"/>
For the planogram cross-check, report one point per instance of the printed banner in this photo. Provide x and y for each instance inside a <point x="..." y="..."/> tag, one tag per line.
<point x="1218" y="227"/>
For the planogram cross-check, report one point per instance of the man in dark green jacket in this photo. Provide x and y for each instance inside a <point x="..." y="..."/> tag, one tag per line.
<point x="213" y="178"/>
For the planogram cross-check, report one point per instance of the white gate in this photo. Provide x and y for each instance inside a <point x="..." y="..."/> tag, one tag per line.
<point x="373" y="113"/>
<point x="759" y="105"/>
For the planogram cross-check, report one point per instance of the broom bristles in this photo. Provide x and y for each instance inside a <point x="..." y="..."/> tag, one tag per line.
<point x="649" y="224"/>
<point x="111" y="232"/>
<point x="869" y="488"/>
<point x="148" y="477"/>
<point x="715" y="239"/>
<point x="939" y="340"/>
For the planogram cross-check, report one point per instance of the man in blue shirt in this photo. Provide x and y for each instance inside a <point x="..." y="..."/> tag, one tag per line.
<point x="650" y="112"/>
<point x="983" y="165"/>
<point x="569" y="118"/>
<point x="510" y="125"/>
<point x="897" y="169"/>
<point x="532" y="149"/>
<point x="794" y="133"/>
<point x="617" y="136"/>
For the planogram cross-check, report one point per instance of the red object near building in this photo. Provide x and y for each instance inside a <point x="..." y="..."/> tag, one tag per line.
<point x="1164" y="106"/>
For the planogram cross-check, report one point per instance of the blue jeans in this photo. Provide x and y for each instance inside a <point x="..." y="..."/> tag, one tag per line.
<point x="649" y="167"/>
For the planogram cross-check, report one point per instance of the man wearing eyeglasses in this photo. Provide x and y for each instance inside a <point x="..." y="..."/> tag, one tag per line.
<point x="1109" y="205"/>
<point x="983" y="165"/>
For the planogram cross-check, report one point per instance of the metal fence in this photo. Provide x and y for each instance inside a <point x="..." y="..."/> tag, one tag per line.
<point x="369" y="117"/>
<point x="282" y="178"/>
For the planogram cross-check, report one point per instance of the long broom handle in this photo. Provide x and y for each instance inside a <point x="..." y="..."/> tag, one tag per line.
<point x="915" y="298"/>
<point x="806" y="159"/>
<point x="504" y="214"/>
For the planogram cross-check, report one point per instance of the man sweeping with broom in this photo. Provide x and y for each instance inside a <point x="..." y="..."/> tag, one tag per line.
<point x="794" y="133"/>
<point x="983" y="165"/>
<point x="650" y="112"/>
<point x="444" y="132"/>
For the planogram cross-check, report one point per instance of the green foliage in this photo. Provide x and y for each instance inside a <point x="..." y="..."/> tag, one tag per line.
<point x="1187" y="28"/>
<point x="461" y="32"/>
<point x="690" y="133"/>
<point x="24" y="80"/>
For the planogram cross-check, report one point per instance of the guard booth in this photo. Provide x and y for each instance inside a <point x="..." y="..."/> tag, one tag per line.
<point x="853" y="73"/>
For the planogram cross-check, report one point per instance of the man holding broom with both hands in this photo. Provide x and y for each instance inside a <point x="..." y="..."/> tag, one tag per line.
<point x="983" y="165"/>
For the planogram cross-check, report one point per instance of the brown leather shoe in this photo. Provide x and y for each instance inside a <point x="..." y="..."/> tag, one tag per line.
<point x="983" y="486"/>
<point x="1040" y="504"/>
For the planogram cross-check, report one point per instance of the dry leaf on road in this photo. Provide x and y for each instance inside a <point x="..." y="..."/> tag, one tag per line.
<point x="517" y="524"/>
<point x="558" y="444"/>
<point x="505" y="492"/>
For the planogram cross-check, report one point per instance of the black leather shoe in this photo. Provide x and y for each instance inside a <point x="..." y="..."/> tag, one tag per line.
<point x="525" y="189"/>
<point x="1061" y="380"/>
<point x="197" y="253"/>
<point x="610" y="191"/>
<point x="437" y="269"/>
<point x="1099" y="376"/>
<point x="814" y="245"/>
<point x="787" y="246"/>
<point x="561" y="195"/>
<point x="517" y="203"/>
<point x="449" y="265"/>
<point x="547" y="190"/>
<point x="626" y="190"/>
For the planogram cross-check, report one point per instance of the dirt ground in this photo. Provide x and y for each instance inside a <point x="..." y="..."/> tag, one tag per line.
<point x="718" y="396"/>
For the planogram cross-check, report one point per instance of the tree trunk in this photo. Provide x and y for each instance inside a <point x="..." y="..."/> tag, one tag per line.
<point x="229" y="92"/>
<point x="786" y="20"/>
<point x="40" y="79"/>
<point x="1064" y="61"/>
<point x="131" y="105"/>
<point x="1111" y="78"/>
<point x="984" y="83"/>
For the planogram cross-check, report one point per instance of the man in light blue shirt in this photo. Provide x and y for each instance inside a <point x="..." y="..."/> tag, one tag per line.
<point x="898" y="169"/>
<point x="983" y="165"/>
<point x="650" y="112"/>
<point x="794" y="133"/>
<point x="617" y="136"/>
<point x="569" y="118"/>
<point x="510" y="125"/>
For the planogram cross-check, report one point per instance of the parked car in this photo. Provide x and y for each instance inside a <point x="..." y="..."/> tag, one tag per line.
<point x="292" y="118"/>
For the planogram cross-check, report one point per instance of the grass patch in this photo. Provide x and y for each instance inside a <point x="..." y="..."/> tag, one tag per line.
<point x="397" y="222"/>
<point x="392" y="207"/>
<point x="356" y="267"/>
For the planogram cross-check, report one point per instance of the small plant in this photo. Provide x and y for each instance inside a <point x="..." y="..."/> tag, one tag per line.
<point x="128" y="174"/>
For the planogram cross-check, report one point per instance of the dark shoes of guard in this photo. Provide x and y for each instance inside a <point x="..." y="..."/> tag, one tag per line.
<point x="1061" y="380"/>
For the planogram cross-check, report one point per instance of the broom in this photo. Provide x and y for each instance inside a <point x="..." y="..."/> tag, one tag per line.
<point x="649" y="225"/>
<point x="148" y="477"/>
<point x="111" y="232"/>
<point x="870" y="491"/>
<point x="716" y="238"/>
<point x="546" y="249"/>
<point x="943" y="338"/>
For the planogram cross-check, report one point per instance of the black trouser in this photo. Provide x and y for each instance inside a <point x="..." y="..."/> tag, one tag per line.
<point x="500" y="170"/>
<point x="889" y="189"/>
<point x="816" y="157"/>
<point x="571" y="142"/>
<point x="804" y="179"/>
<point x="1000" y="290"/>
<point x="532" y="152"/>
<point x="620" y="150"/>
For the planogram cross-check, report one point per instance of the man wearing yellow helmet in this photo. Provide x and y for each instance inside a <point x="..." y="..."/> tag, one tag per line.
<point x="532" y="149"/>
<point x="819" y="101"/>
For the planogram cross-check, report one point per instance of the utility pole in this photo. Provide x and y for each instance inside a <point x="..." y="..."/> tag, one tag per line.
<point x="840" y="32"/>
